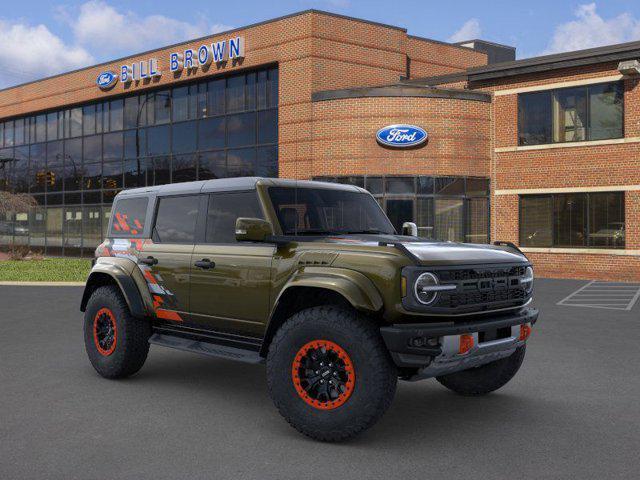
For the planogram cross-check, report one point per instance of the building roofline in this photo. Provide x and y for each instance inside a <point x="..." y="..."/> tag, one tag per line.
<point x="400" y="90"/>
<point x="226" y="32"/>
<point x="608" y="53"/>
<point x="496" y="44"/>
<point x="436" y="79"/>
<point x="440" y="42"/>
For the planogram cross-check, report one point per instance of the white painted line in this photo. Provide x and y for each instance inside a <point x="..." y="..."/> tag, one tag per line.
<point x="634" y="300"/>
<point x="612" y="296"/>
<point x="579" y="290"/>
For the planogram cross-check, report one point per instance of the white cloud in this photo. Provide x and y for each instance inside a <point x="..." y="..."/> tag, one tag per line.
<point x="98" y="31"/>
<point x="589" y="29"/>
<point x="469" y="31"/>
<point x="108" y="31"/>
<point x="29" y="52"/>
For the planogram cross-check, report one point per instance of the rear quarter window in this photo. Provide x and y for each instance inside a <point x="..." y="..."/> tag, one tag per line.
<point x="129" y="216"/>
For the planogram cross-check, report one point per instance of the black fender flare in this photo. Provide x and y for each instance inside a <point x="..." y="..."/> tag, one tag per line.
<point x="103" y="274"/>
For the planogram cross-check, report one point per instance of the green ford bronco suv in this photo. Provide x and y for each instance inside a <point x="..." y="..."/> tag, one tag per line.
<point x="312" y="279"/>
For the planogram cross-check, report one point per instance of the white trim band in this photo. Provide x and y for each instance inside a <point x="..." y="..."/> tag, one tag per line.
<point x="550" y="86"/>
<point x="583" y="251"/>
<point x="534" y="191"/>
<point x="547" y="146"/>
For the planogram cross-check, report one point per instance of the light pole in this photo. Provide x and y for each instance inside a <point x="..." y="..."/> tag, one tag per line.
<point x="142" y="105"/>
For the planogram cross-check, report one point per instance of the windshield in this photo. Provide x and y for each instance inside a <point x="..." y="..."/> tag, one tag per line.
<point x="308" y="211"/>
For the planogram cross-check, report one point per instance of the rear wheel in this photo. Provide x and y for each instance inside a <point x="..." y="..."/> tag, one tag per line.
<point x="116" y="343"/>
<point x="329" y="374"/>
<point x="486" y="378"/>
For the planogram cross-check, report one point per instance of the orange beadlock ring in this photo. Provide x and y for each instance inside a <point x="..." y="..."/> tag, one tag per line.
<point x="343" y="362"/>
<point x="105" y="342"/>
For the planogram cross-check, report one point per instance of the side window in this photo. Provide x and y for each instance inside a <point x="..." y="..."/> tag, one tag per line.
<point x="176" y="219"/>
<point x="129" y="216"/>
<point x="224" y="210"/>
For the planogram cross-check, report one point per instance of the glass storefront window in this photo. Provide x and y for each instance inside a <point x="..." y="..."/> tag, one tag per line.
<point x="76" y="160"/>
<point x="212" y="165"/>
<point x="400" y="185"/>
<point x="184" y="137"/>
<point x="212" y="133"/>
<point x="578" y="220"/>
<point x="591" y="112"/>
<point x="449" y="219"/>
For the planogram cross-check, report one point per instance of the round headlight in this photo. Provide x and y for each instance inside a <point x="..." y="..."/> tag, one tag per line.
<point x="527" y="280"/>
<point x="423" y="288"/>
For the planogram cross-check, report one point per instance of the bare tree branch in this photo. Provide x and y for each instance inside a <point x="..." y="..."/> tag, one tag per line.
<point x="16" y="202"/>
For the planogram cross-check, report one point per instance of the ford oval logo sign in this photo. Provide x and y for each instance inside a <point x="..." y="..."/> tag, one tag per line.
<point x="401" y="136"/>
<point x="106" y="80"/>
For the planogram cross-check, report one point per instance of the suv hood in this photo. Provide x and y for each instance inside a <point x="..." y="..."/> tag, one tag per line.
<point x="440" y="253"/>
<point x="464" y="254"/>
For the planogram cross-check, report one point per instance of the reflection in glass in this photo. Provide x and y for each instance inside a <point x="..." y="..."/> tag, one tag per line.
<point x="212" y="165"/>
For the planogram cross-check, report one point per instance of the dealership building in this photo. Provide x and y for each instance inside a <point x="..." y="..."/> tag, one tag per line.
<point x="542" y="152"/>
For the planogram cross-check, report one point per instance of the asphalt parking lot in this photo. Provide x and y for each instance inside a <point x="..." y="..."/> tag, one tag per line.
<point x="573" y="411"/>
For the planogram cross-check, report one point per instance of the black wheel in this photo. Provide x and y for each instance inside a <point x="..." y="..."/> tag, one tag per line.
<point x="486" y="378"/>
<point x="117" y="344"/>
<point x="329" y="373"/>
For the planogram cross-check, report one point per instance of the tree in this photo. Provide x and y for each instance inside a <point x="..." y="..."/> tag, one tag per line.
<point x="15" y="202"/>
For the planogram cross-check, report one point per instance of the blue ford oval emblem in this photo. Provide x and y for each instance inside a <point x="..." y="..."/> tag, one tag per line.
<point x="106" y="80"/>
<point x="401" y="136"/>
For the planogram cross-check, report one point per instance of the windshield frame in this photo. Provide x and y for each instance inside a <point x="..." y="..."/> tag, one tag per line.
<point x="374" y="207"/>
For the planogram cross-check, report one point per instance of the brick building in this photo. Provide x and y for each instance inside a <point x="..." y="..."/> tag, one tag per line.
<point x="540" y="152"/>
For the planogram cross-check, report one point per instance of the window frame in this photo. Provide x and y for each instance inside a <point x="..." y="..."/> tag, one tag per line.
<point x="552" y="92"/>
<point x="587" y="223"/>
<point x="205" y="217"/>
<point x="110" y="233"/>
<point x="156" y="209"/>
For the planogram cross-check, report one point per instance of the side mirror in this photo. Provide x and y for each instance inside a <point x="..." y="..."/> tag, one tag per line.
<point x="252" y="230"/>
<point x="410" y="229"/>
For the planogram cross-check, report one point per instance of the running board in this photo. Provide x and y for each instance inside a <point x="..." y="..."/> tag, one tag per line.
<point x="205" y="348"/>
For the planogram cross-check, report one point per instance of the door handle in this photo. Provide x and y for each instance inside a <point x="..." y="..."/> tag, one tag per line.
<point x="149" y="261"/>
<point x="205" y="263"/>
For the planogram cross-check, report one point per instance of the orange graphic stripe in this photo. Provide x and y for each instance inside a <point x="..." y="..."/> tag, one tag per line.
<point x="168" y="315"/>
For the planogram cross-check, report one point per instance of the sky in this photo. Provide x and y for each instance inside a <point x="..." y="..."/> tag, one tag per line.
<point x="39" y="38"/>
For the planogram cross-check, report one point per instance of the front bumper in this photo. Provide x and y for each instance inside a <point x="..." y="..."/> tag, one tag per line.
<point x="433" y="349"/>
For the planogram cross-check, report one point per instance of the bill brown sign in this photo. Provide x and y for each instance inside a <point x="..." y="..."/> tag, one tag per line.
<point x="189" y="59"/>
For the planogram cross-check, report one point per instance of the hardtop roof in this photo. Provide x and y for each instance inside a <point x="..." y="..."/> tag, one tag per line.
<point x="230" y="185"/>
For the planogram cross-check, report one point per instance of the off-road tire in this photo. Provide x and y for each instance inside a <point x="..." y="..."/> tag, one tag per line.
<point x="375" y="374"/>
<point x="486" y="378"/>
<point x="132" y="339"/>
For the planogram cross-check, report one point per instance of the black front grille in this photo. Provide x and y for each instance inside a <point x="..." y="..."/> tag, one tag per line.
<point x="477" y="289"/>
<point x="447" y="276"/>
<point x="482" y="288"/>
<point x="455" y="300"/>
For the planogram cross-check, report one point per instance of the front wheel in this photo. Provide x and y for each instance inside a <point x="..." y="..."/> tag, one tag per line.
<point x="329" y="373"/>
<point x="117" y="344"/>
<point x="486" y="378"/>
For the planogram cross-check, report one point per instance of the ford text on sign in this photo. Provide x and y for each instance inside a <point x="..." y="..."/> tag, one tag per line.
<point x="401" y="136"/>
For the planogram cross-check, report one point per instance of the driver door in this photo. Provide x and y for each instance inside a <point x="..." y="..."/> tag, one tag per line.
<point x="230" y="281"/>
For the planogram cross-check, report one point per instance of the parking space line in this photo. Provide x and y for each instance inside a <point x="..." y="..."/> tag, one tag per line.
<point x="596" y="294"/>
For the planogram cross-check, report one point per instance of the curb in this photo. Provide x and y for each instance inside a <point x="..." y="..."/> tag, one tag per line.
<point x="43" y="284"/>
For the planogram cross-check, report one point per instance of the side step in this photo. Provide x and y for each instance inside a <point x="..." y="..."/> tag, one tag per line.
<point x="205" y="348"/>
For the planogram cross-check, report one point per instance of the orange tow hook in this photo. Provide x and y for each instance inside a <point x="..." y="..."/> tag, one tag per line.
<point x="466" y="344"/>
<point x="525" y="332"/>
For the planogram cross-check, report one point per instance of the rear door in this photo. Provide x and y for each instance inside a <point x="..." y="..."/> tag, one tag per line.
<point x="230" y="289"/>
<point x="166" y="261"/>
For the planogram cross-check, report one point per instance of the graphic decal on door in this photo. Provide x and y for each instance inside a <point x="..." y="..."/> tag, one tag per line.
<point x="164" y="301"/>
